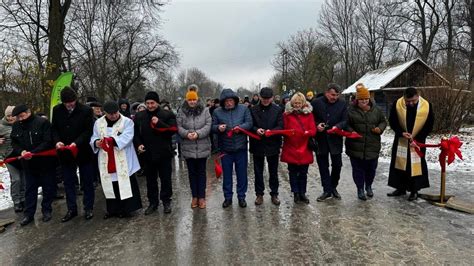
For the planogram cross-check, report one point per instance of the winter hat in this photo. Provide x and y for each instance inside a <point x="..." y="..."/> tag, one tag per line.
<point x="193" y="87"/>
<point x="266" y="92"/>
<point x="111" y="107"/>
<point x="152" y="95"/>
<point x="309" y="94"/>
<point x="362" y="92"/>
<point x="191" y="95"/>
<point x="68" y="95"/>
<point x="19" y="109"/>
<point x="9" y="110"/>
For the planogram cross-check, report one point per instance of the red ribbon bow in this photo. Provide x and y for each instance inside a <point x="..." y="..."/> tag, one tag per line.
<point x="343" y="133"/>
<point x="238" y="129"/>
<point x="49" y="153"/>
<point x="449" y="149"/>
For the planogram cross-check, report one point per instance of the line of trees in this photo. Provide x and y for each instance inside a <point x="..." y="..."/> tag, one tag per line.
<point x="113" y="47"/>
<point x="356" y="36"/>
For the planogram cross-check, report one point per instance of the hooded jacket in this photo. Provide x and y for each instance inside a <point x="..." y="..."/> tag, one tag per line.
<point x="237" y="116"/>
<point x="197" y="120"/>
<point x="127" y="111"/>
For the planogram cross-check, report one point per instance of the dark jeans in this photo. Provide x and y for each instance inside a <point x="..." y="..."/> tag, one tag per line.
<point x="33" y="181"/>
<point x="197" y="176"/>
<point x="153" y="169"/>
<point x="240" y="160"/>
<point x="258" y="166"/>
<point x="329" y="180"/>
<point x="298" y="177"/>
<point x="86" y="174"/>
<point x="363" y="172"/>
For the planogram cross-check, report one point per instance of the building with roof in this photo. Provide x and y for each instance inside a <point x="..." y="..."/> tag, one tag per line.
<point x="387" y="84"/>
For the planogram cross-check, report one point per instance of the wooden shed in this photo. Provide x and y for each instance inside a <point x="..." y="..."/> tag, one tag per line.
<point x="387" y="84"/>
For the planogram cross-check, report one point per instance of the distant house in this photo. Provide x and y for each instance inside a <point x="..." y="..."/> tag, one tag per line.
<point x="387" y="84"/>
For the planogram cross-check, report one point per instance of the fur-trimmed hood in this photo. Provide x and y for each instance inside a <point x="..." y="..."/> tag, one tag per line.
<point x="192" y="111"/>
<point x="308" y="108"/>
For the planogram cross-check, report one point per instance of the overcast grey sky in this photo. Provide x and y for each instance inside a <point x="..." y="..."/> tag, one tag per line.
<point x="233" y="42"/>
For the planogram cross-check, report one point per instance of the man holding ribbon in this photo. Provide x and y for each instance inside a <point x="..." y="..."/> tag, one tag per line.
<point x="154" y="129"/>
<point x="229" y="121"/>
<point x="72" y="125"/>
<point x="113" y="141"/>
<point x="30" y="135"/>
<point x="266" y="116"/>
<point x="411" y="118"/>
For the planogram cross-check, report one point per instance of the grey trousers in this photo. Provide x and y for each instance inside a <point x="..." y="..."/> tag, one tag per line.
<point x="17" y="187"/>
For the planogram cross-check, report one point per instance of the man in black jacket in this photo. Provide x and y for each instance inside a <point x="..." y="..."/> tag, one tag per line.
<point x="156" y="149"/>
<point x="329" y="111"/>
<point x="266" y="116"/>
<point x="72" y="125"/>
<point x="32" y="134"/>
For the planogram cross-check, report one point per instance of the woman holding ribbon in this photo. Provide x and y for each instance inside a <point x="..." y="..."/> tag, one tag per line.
<point x="194" y="126"/>
<point x="365" y="118"/>
<point x="298" y="116"/>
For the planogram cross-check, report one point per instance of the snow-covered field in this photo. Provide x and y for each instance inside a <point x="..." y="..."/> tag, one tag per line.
<point x="466" y="135"/>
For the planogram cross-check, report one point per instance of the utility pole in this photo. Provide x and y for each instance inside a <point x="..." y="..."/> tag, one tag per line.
<point x="284" y="55"/>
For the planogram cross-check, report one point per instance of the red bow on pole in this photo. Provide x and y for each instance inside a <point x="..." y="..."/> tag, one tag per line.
<point x="449" y="149"/>
<point x="108" y="147"/>
<point x="238" y="129"/>
<point x="343" y="133"/>
<point x="283" y="132"/>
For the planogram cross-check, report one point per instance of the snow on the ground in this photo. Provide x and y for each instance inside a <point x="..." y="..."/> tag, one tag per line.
<point x="5" y="199"/>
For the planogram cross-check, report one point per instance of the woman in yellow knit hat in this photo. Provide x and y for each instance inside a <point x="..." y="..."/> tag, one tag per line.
<point x="367" y="119"/>
<point x="194" y="126"/>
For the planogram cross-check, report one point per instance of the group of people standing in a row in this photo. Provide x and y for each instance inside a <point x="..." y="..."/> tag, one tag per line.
<point x="118" y="147"/>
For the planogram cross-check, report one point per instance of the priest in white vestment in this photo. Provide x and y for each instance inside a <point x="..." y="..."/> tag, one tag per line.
<point x="118" y="162"/>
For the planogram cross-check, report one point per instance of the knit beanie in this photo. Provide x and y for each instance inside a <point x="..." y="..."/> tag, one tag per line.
<point x="68" y="95"/>
<point x="152" y="95"/>
<point x="191" y="95"/>
<point x="362" y="92"/>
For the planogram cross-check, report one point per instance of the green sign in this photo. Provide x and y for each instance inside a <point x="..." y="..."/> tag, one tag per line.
<point x="64" y="80"/>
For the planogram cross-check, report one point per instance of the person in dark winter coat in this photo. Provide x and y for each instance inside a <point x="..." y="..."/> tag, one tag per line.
<point x="329" y="111"/>
<point x="365" y="118"/>
<point x="72" y="124"/>
<point x="225" y="118"/>
<point x="295" y="150"/>
<point x="194" y="127"/>
<point x="32" y="134"/>
<point x="17" y="177"/>
<point x="411" y="118"/>
<point x="266" y="116"/>
<point x="156" y="149"/>
<point x="124" y="105"/>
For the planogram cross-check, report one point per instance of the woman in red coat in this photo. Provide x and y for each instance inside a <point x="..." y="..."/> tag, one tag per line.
<point x="298" y="116"/>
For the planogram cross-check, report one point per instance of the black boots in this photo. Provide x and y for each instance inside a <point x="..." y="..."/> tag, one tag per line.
<point x="301" y="197"/>
<point x="361" y="194"/>
<point x="369" y="191"/>
<point x="69" y="215"/>
<point x="151" y="209"/>
<point x="396" y="193"/>
<point x="413" y="196"/>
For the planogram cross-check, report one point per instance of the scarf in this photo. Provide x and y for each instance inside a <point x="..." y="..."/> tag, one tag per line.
<point x="403" y="149"/>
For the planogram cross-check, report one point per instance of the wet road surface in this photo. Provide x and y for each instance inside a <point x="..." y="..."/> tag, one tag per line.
<point x="380" y="231"/>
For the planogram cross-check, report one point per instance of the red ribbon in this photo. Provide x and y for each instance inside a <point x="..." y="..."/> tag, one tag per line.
<point x="217" y="165"/>
<point x="343" y="133"/>
<point x="49" y="153"/>
<point x="283" y="132"/>
<point x="449" y="149"/>
<point x="238" y="129"/>
<point x="163" y="129"/>
<point x="108" y="147"/>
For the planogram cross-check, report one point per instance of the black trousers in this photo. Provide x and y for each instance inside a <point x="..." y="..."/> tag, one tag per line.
<point x="46" y="180"/>
<point x="329" y="180"/>
<point x="258" y="167"/>
<point x="153" y="169"/>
